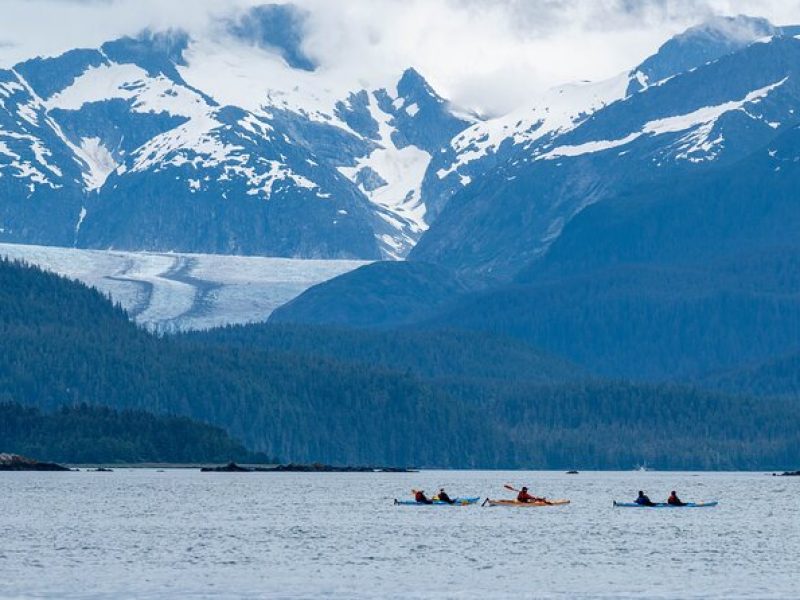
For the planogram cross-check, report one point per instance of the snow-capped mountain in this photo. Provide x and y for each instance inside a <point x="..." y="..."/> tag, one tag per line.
<point x="699" y="120"/>
<point x="237" y="145"/>
<point x="655" y="238"/>
<point x="488" y="143"/>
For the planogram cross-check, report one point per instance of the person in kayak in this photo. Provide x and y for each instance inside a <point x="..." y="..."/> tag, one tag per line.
<point x="643" y="500"/>
<point x="673" y="499"/>
<point x="421" y="498"/>
<point x="443" y="497"/>
<point x="525" y="497"/>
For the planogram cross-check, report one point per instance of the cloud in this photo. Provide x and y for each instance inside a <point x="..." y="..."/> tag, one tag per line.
<point x="490" y="55"/>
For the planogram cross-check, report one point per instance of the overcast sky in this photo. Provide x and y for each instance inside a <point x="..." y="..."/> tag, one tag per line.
<point x="491" y="55"/>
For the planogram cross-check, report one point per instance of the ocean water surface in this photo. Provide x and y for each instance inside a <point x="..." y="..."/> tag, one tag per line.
<point x="184" y="534"/>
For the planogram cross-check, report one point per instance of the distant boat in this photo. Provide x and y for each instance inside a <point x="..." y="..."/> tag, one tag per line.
<point x="643" y="467"/>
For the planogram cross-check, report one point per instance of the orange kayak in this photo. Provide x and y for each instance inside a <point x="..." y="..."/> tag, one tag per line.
<point x="560" y="502"/>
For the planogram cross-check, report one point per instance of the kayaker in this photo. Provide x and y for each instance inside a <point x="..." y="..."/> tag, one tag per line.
<point x="673" y="499"/>
<point x="443" y="497"/>
<point x="525" y="497"/>
<point x="421" y="498"/>
<point x="643" y="500"/>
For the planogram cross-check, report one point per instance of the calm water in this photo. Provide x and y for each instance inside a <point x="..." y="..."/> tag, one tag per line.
<point x="141" y="533"/>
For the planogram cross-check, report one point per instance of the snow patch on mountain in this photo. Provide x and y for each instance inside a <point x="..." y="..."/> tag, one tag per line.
<point x="26" y="144"/>
<point x="401" y="169"/>
<point x="558" y="110"/>
<point x="99" y="161"/>
<point x="276" y="171"/>
<point x="128" y="82"/>
<point x="195" y="138"/>
<point x="696" y="146"/>
<point x="81" y="218"/>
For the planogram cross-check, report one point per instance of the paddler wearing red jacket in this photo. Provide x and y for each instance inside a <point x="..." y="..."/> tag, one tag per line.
<point x="524" y="496"/>
<point x="421" y="498"/>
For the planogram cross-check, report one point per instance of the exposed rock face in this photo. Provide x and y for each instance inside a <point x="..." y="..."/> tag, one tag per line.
<point x="15" y="462"/>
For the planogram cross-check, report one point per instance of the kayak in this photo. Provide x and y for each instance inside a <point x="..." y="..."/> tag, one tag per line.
<point x="665" y="505"/>
<point x="457" y="502"/>
<point x="559" y="502"/>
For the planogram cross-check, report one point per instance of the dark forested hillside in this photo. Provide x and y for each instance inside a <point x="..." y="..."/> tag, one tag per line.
<point x="64" y="344"/>
<point x="382" y="294"/>
<point x="776" y="377"/>
<point x="612" y="425"/>
<point x="449" y="354"/>
<point x="85" y="434"/>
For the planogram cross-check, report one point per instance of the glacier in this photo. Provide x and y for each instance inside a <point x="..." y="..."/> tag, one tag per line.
<point x="170" y="292"/>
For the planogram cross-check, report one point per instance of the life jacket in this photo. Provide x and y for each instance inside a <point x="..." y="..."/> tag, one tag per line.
<point x="420" y="497"/>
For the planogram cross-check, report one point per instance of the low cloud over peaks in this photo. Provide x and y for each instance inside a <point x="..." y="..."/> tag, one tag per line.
<point x="486" y="55"/>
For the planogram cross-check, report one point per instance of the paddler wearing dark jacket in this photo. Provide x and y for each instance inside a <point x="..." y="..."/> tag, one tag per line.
<point x="643" y="500"/>
<point x="443" y="497"/>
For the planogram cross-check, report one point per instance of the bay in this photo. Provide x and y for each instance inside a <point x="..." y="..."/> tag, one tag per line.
<point x="141" y="533"/>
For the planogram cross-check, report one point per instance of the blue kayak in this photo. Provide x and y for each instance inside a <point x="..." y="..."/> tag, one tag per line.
<point x="456" y="502"/>
<point x="665" y="505"/>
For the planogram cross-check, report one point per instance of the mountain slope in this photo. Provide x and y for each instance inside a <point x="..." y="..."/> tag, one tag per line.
<point x="383" y="294"/>
<point x="668" y="282"/>
<point x="692" y="123"/>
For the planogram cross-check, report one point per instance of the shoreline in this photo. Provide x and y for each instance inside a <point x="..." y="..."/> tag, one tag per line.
<point x="83" y="467"/>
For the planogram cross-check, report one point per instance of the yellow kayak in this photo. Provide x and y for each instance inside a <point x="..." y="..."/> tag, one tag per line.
<point x="559" y="502"/>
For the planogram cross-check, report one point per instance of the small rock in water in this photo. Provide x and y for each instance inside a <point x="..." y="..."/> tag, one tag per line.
<point x="787" y="474"/>
<point x="229" y="468"/>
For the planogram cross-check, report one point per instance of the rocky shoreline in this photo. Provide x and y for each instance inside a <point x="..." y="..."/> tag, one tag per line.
<point x="15" y="462"/>
<point x="296" y="468"/>
<point x="787" y="474"/>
